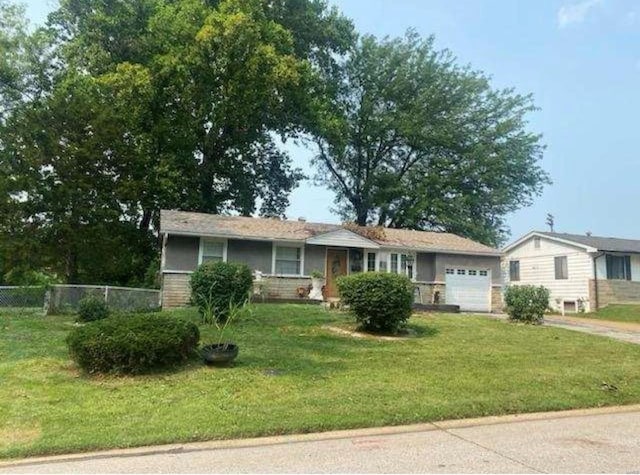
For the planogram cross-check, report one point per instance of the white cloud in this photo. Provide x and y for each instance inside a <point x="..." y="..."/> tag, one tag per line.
<point x="576" y="12"/>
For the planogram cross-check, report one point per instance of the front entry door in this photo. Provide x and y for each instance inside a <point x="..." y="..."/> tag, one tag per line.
<point x="336" y="266"/>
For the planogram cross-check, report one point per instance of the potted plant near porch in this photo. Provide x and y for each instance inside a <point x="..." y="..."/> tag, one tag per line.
<point x="317" y="282"/>
<point x="221" y="352"/>
<point x="221" y="292"/>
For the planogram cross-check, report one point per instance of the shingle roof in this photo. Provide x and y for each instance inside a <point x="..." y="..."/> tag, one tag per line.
<point x="599" y="242"/>
<point x="182" y="222"/>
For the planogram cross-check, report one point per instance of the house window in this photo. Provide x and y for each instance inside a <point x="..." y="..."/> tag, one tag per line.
<point x="383" y="263"/>
<point x="393" y="266"/>
<point x="560" y="264"/>
<point x="408" y="264"/>
<point x="618" y="267"/>
<point x="288" y="260"/>
<point x="536" y="242"/>
<point x="212" y="250"/>
<point x="371" y="261"/>
<point x="355" y="257"/>
<point x="402" y="264"/>
<point x="514" y="271"/>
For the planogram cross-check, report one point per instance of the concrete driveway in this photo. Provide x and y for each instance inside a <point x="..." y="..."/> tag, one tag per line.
<point x="624" y="331"/>
<point x="600" y="440"/>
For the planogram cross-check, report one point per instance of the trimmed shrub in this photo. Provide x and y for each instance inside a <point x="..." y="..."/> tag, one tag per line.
<point x="220" y="286"/>
<point x="92" y="308"/>
<point x="526" y="303"/>
<point x="381" y="302"/>
<point x="135" y="343"/>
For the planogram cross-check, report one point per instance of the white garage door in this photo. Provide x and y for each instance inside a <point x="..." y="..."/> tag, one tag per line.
<point x="468" y="288"/>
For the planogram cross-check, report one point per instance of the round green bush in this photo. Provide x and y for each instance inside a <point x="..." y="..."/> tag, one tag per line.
<point x="92" y="308"/>
<point x="135" y="343"/>
<point x="219" y="286"/>
<point x="380" y="302"/>
<point x="526" y="303"/>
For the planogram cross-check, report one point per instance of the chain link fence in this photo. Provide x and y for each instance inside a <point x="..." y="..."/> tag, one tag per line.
<point x="20" y="298"/>
<point x="65" y="298"/>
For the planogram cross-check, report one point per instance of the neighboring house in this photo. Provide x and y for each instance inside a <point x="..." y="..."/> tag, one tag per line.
<point x="582" y="272"/>
<point x="445" y="267"/>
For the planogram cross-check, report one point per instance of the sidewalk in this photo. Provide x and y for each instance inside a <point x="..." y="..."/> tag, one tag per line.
<point x="592" y="440"/>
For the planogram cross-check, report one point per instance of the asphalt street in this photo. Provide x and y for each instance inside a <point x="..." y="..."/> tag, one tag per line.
<point x="583" y="441"/>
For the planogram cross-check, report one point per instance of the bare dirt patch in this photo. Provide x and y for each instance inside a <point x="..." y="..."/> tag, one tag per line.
<point x="358" y="334"/>
<point x="18" y="436"/>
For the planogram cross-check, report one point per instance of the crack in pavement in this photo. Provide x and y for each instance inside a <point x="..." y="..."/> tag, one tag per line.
<point x="493" y="451"/>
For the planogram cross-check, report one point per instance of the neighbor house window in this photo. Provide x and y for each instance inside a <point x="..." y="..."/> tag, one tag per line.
<point x="560" y="264"/>
<point x="371" y="261"/>
<point x="514" y="271"/>
<point x="288" y="260"/>
<point x="618" y="267"/>
<point x="536" y="242"/>
<point x="212" y="250"/>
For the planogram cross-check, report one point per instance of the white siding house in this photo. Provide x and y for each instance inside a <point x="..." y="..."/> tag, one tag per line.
<point x="581" y="272"/>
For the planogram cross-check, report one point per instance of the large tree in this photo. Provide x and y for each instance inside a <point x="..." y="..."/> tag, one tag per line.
<point x="225" y="78"/>
<point x="417" y="141"/>
<point x="149" y="104"/>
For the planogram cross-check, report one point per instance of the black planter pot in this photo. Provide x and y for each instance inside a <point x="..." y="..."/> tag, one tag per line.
<point x="219" y="353"/>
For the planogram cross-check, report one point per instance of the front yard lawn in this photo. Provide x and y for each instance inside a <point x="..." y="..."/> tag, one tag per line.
<point x="292" y="375"/>
<point x="619" y="313"/>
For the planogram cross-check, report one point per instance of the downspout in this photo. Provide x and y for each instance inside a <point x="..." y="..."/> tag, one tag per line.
<point x="163" y="261"/>
<point x="595" y="279"/>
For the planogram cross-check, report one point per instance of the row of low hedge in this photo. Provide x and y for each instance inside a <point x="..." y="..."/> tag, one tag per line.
<point x="139" y="343"/>
<point x="380" y="302"/>
<point x="135" y="343"/>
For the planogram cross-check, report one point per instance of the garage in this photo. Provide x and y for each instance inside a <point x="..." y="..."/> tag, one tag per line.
<point x="468" y="288"/>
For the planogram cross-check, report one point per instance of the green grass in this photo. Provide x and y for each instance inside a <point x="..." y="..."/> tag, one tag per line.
<point x="293" y="376"/>
<point x="618" y="313"/>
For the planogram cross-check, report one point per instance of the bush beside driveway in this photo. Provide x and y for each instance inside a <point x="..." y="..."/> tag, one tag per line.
<point x="293" y="376"/>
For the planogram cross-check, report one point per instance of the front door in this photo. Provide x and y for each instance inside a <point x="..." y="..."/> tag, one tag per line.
<point x="336" y="266"/>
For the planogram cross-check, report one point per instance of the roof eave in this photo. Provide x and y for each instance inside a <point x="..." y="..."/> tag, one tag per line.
<point x="231" y="236"/>
<point x="305" y="240"/>
<point x="531" y="234"/>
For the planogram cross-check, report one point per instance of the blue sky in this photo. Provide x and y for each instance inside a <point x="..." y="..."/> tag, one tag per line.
<point x="581" y="61"/>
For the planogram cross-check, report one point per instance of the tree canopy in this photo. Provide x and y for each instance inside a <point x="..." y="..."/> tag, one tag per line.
<point x="420" y="142"/>
<point x="151" y="104"/>
<point x="114" y="110"/>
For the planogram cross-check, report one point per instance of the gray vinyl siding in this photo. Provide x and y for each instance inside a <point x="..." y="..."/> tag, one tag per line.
<point x="426" y="266"/>
<point x="255" y="254"/>
<point x="481" y="262"/>
<point x="181" y="253"/>
<point x="314" y="258"/>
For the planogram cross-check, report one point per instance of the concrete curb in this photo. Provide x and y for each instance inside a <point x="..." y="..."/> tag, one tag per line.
<point x="330" y="435"/>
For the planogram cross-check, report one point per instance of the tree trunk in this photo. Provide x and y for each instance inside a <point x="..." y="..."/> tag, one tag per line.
<point x="146" y="220"/>
<point x="362" y="216"/>
<point x="72" y="266"/>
